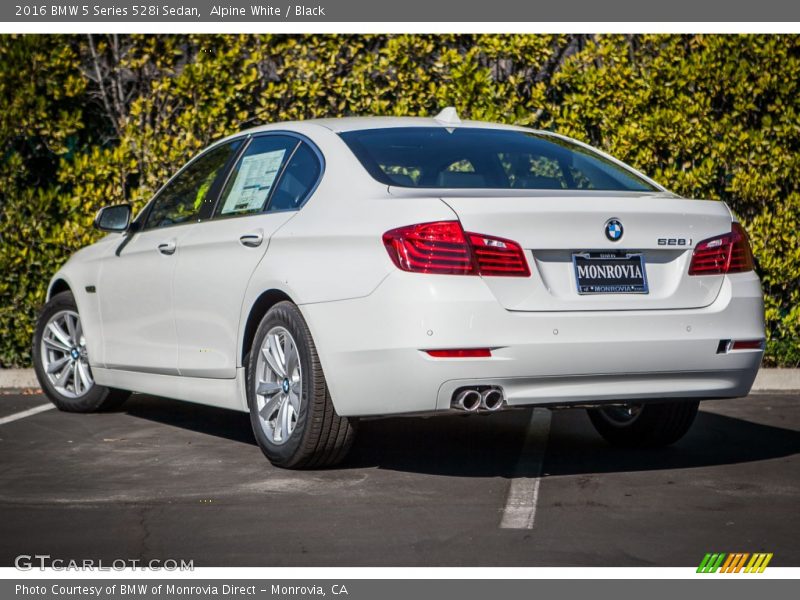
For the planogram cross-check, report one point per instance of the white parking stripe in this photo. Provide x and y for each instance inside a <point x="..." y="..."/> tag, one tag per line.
<point x="520" y="509"/>
<point x="26" y="413"/>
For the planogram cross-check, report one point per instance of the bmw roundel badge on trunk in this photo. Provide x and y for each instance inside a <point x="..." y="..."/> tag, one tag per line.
<point x="614" y="230"/>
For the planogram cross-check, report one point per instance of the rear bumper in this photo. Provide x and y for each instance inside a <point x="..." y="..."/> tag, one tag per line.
<point x="371" y="348"/>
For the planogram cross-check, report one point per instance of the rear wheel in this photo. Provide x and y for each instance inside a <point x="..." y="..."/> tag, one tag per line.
<point x="293" y="418"/>
<point x="61" y="360"/>
<point x="644" y="425"/>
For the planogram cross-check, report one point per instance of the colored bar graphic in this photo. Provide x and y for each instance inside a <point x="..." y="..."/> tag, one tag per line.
<point x="703" y="563"/>
<point x="728" y="562"/>
<point x="718" y="562"/>
<point x="767" y="558"/>
<point x="740" y="564"/>
<point x="727" y="566"/>
<point x="751" y="566"/>
<point x="734" y="562"/>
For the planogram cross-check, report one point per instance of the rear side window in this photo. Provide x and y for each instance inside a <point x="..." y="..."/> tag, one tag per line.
<point x="183" y="197"/>
<point x="464" y="157"/>
<point x="251" y="183"/>
<point x="298" y="180"/>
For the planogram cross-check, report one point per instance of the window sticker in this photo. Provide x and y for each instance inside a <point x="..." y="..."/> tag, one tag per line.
<point x="253" y="182"/>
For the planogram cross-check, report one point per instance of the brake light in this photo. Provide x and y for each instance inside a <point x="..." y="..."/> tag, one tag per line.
<point x="444" y="248"/>
<point x="727" y="253"/>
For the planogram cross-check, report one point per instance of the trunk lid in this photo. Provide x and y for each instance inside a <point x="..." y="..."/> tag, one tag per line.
<point x="552" y="228"/>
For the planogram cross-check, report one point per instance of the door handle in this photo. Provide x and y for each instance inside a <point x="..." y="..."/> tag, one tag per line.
<point x="252" y="240"/>
<point x="167" y="247"/>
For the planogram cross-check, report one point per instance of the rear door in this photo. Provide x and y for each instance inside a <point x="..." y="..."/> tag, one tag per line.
<point x="556" y="227"/>
<point x="270" y="182"/>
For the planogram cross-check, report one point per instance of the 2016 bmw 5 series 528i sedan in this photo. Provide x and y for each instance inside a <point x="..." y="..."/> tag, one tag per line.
<point x="316" y="272"/>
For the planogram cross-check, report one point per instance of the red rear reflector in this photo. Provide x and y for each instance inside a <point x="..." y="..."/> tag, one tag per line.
<point x="747" y="345"/>
<point x="727" y="253"/>
<point x="443" y="247"/>
<point x="461" y="353"/>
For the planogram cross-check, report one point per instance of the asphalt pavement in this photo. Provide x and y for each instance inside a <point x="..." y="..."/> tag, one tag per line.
<point x="161" y="479"/>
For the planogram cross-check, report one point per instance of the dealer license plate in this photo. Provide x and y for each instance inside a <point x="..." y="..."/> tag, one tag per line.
<point x="607" y="273"/>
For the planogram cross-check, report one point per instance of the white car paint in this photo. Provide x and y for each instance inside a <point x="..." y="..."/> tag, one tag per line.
<point x="176" y="325"/>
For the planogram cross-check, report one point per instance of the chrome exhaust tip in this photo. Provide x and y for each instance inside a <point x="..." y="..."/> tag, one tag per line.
<point x="492" y="400"/>
<point x="467" y="400"/>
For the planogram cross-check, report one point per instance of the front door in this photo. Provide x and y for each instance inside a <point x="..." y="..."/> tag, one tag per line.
<point x="135" y="283"/>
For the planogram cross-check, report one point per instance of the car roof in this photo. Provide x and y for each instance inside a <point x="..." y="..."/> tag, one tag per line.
<point x="361" y="123"/>
<point x="342" y="124"/>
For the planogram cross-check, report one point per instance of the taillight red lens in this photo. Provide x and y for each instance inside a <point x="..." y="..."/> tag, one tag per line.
<point x="443" y="247"/>
<point x="496" y="256"/>
<point x="742" y="255"/>
<point x="430" y="248"/>
<point x="728" y="253"/>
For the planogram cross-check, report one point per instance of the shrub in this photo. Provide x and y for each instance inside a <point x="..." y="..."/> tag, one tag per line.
<point x="90" y="120"/>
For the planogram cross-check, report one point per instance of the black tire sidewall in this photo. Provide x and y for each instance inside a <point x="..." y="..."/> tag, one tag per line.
<point x="286" y="315"/>
<point x="659" y="424"/>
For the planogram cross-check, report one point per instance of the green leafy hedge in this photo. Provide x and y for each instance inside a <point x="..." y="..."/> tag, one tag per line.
<point x="90" y="120"/>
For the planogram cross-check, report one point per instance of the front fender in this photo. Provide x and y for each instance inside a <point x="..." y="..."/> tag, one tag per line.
<point x="80" y="275"/>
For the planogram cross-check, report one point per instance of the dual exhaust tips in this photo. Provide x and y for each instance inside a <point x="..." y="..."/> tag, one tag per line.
<point x="473" y="400"/>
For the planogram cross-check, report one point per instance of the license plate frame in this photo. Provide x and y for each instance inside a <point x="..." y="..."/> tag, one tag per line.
<point x="593" y="286"/>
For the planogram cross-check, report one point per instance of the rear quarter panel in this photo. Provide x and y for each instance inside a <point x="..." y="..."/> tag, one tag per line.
<point x="332" y="250"/>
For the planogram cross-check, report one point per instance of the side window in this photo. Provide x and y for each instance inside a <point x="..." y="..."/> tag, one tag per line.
<point x="250" y="184"/>
<point x="183" y="197"/>
<point x="297" y="181"/>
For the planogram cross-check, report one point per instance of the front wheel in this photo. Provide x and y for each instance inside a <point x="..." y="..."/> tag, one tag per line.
<point x="61" y="361"/>
<point x="644" y="425"/>
<point x="293" y="418"/>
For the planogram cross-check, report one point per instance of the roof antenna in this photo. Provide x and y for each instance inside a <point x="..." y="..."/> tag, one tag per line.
<point x="448" y="116"/>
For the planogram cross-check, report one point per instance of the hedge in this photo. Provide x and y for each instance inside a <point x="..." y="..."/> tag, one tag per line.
<point x="91" y="120"/>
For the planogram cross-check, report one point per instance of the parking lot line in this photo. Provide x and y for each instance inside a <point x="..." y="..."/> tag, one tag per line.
<point x="26" y="413"/>
<point x="520" y="508"/>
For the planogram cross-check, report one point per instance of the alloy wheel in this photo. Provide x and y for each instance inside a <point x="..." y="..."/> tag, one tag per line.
<point x="279" y="385"/>
<point x="64" y="357"/>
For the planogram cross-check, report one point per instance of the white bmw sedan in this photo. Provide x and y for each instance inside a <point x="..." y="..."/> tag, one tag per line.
<point x="316" y="272"/>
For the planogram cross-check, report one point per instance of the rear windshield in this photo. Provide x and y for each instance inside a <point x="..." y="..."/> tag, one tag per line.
<point x="437" y="157"/>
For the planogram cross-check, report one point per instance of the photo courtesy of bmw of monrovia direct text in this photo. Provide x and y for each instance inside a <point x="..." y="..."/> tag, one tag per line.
<point x="359" y="300"/>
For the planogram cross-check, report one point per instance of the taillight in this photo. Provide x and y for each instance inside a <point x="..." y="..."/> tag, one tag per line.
<point x="444" y="248"/>
<point x="430" y="248"/>
<point x="496" y="256"/>
<point x="727" y="253"/>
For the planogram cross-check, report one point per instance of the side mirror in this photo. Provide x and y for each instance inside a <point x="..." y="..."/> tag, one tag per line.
<point x="115" y="218"/>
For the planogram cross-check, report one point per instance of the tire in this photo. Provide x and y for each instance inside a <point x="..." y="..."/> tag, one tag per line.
<point x="82" y="397"/>
<point x="649" y="426"/>
<point x="293" y="419"/>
